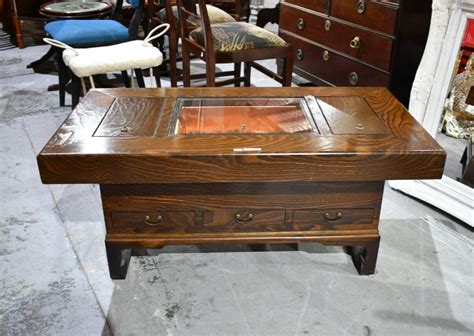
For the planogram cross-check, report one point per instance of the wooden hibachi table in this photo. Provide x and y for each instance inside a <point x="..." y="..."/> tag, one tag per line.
<point x="240" y="165"/>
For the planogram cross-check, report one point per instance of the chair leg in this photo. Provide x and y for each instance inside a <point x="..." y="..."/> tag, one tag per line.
<point x="140" y="81"/>
<point x="288" y="69"/>
<point x="173" y="51"/>
<point x="156" y="72"/>
<point x="247" y="69"/>
<point x="237" y="71"/>
<point x="76" y="90"/>
<point x="125" y="79"/>
<point x="210" y="73"/>
<point x="186" y="67"/>
<point x="62" y="78"/>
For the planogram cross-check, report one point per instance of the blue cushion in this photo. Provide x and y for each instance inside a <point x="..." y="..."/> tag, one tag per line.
<point x="87" y="32"/>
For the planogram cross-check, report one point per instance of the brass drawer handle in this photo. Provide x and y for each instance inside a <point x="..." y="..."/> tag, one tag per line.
<point x="361" y="6"/>
<point x="124" y="129"/>
<point x="327" y="25"/>
<point x="240" y="219"/>
<point x="299" y="54"/>
<point x="326" y="55"/>
<point x="300" y="24"/>
<point x="328" y="217"/>
<point x="353" y="78"/>
<point x="355" y="43"/>
<point x="148" y="221"/>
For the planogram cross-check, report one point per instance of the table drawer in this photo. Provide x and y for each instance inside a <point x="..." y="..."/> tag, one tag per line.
<point x="374" y="14"/>
<point x="362" y="44"/>
<point x="153" y="222"/>
<point x="332" y="219"/>
<point x="244" y="220"/>
<point x="333" y="68"/>
<point x="321" y="6"/>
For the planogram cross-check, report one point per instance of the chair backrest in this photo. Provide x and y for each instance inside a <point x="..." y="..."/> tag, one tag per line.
<point x="190" y="18"/>
<point x="238" y="8"/>
<point x="138" y="6"/>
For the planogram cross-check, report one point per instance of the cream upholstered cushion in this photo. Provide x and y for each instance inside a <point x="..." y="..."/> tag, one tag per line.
<point x="99" y="60"/>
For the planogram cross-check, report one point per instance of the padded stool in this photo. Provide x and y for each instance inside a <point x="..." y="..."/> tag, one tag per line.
<point x="138" y="54"/>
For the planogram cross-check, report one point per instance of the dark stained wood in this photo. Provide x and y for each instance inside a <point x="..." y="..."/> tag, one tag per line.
<point x="336" y="70"/>
<point x="392" y="37"/>
<point x="162" y="189"/>
<point x="375" y="49"/>
<point x="378" y="15"/>
<point x="321" y="6"/>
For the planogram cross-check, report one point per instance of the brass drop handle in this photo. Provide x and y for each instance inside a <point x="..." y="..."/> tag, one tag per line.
<point x="240" y="219"/>
<point x="300" y="24"/>
<point x="328" y="217"/>
<point x="355" y="43"/>
<point x="361" y="6"/>
<point x="299" y="54"/>
<point x="157" y="221"/>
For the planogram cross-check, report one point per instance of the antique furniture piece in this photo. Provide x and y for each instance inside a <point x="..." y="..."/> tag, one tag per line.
<point x="166" y="11"/>
<point x="240" y="165"/>
<point x="89" y="9"/>
<point x="14" y="12"/>
<point x="357" y="42"/>
<point x="230" y="42"/>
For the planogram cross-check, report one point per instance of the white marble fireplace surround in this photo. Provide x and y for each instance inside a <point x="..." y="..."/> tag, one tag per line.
<point x="428" y="94"/>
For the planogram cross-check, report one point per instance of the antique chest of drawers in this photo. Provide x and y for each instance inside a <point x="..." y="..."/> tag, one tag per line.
<point x="240" y="165"/>
<point x="357" y="42"/>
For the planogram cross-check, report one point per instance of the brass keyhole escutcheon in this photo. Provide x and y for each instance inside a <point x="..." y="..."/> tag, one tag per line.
<point x="153" y="222"/>
<point x="361" y="6"/>
<point x="299" y="54"/>
<point x="359" y="126"/>
<point x="329" y="218"/>
<point x="241" y="219"/>
<point x="327" y="25"/>
<point x="355" y="43"/>
<point x="353" y="78"/>
<point x="326" y="55"/>
<point x="300" y="23"/>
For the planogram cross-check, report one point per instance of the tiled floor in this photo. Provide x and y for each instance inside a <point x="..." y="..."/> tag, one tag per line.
<point x="54" y="280"/>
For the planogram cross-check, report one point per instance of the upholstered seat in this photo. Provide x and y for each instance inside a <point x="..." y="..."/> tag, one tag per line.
<point x="87" y="32"/>
<point x="128" y="55"/>
<point x="237" y="36"/>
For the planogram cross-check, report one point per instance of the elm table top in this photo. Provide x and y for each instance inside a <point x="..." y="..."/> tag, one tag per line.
<point x="174" y="135"/>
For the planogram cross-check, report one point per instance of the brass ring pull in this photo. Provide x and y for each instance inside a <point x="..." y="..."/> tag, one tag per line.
<point x="327" y="25"/>
<point x="328" y="217"/>
<point x="240" y="219"/>
<point x="326" y="55"/>
<point x="353" y="78"/>
<point x="300" y="24"/>
<point x="155" y="222"/>
<point x="355" y="43"/>
<point x="299" y="54"/>
<point x="361" y="6"/>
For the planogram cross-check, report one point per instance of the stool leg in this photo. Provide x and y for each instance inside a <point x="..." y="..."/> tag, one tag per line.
<point x="125" y="79"/>
<point x="157" y="76"/>
<point x="62" y="78"/>
<point x="140" y="81"/>
<point x="92" y="82"/>
<point x="84" y="90"/>
<point x="247" y="70"/>
<point x="76" y="90"/>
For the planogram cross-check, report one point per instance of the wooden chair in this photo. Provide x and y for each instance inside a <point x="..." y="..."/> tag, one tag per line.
<point x="233" y="42"/>
<point x="166" y="11"/>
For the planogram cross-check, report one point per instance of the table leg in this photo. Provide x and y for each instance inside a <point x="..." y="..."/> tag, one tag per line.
<point x="364" y="256"/>
<point x="43" y="58"/>
<point x="118" y="257"/>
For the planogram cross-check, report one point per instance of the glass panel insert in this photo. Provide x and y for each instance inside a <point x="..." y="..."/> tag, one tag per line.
<point x="251" y="115"/>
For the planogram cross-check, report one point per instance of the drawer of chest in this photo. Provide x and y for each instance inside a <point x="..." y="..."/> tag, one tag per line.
<point x="359" y="43"/>
<point x="321" y="6"/>
<point x="374" y="14"/>
<point x="153" y="222"/>
<point x="244" y="220"/>
<point x="333" y="219"/>
<point x="333" y="68"/>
